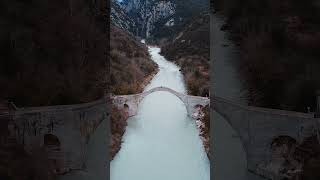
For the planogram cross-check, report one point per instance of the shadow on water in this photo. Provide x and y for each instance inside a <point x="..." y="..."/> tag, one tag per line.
<point x="229" y="157"/>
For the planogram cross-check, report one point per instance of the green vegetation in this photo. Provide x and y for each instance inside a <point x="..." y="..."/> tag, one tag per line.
<point x="53" y="52"/>
<point x="279" y="45"/>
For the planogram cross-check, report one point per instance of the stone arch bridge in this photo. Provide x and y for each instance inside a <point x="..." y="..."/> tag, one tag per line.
<point x="256" y="127"/>
<point x="63" y="131"/>
<point x="132" y="102"/>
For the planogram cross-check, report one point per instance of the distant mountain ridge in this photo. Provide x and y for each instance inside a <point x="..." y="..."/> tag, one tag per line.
<point x="156" y="19"/>
<point x="120" y="18"/>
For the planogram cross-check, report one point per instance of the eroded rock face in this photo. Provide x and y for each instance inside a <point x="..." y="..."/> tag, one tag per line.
<point x="120" y="19"/>
<point x="146" y="13"/>
<point x="151" y="16"/>
<point x="282" y="160"/>
<point x="291" y="159"/>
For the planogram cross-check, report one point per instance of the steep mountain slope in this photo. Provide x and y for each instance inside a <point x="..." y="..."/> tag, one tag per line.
<point x="185" y="11"/>
<point x="157" y="19"/>
<point x="53" y="52"/>
<point x="190" y="50"/>
<point x="131" y="69"/>
<point x="146" y="12"/>
<point x="120" y="18"/>
<point x="130" y="63"/>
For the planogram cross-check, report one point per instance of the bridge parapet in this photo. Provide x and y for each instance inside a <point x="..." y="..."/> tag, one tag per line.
<point x="258" y="127"/>
<point x="70" y="125"/>
<point x="132" y="101"/>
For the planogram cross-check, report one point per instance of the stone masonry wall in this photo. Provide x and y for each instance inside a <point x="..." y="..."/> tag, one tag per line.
<point x="257" y="128"/>
<point x="72" y="125"/>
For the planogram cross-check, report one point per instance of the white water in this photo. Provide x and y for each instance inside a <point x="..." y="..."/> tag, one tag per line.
<point x="161" y="142"/>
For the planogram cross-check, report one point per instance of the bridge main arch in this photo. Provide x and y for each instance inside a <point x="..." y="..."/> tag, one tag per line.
<point x="164" y="89"/>
<point x="179" y="95"/>
<point x="134" y="100"/>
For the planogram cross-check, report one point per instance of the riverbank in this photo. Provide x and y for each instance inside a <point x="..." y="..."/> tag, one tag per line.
<point x="190" y="50"/>
<point x="119" y="120"/>
<point x="130" y="63"/>
<point x="203" y="124"/>
<point x="148" y="79"/>
<point x="131" y="70"/>
<point x="161" y="135"/>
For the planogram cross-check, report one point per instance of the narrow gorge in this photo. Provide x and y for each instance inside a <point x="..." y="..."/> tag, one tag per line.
<point x="162" y="133"/>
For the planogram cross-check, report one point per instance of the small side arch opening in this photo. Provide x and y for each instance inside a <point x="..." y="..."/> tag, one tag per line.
<point x="51" y="140"/>
<point x="52" y="145"/>
<point x="283" y="147"/>
<point x="198" y="106"/>
<point x="126" y="107"/>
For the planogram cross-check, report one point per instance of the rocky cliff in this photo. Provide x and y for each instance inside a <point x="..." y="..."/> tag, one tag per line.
<point x="120" y="18"/>
<point x="278" y="46"/>
<point x="157" y="19"/>
<point x="190" y="50"/>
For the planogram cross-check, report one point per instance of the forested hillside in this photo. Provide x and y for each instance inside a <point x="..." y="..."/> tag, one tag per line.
<point x="131" y="66"/>
<point x="130" y="69"/>
<point x="53" y="52"/>
<point x="190" y="49"/>
<point x="279" y="44"/>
